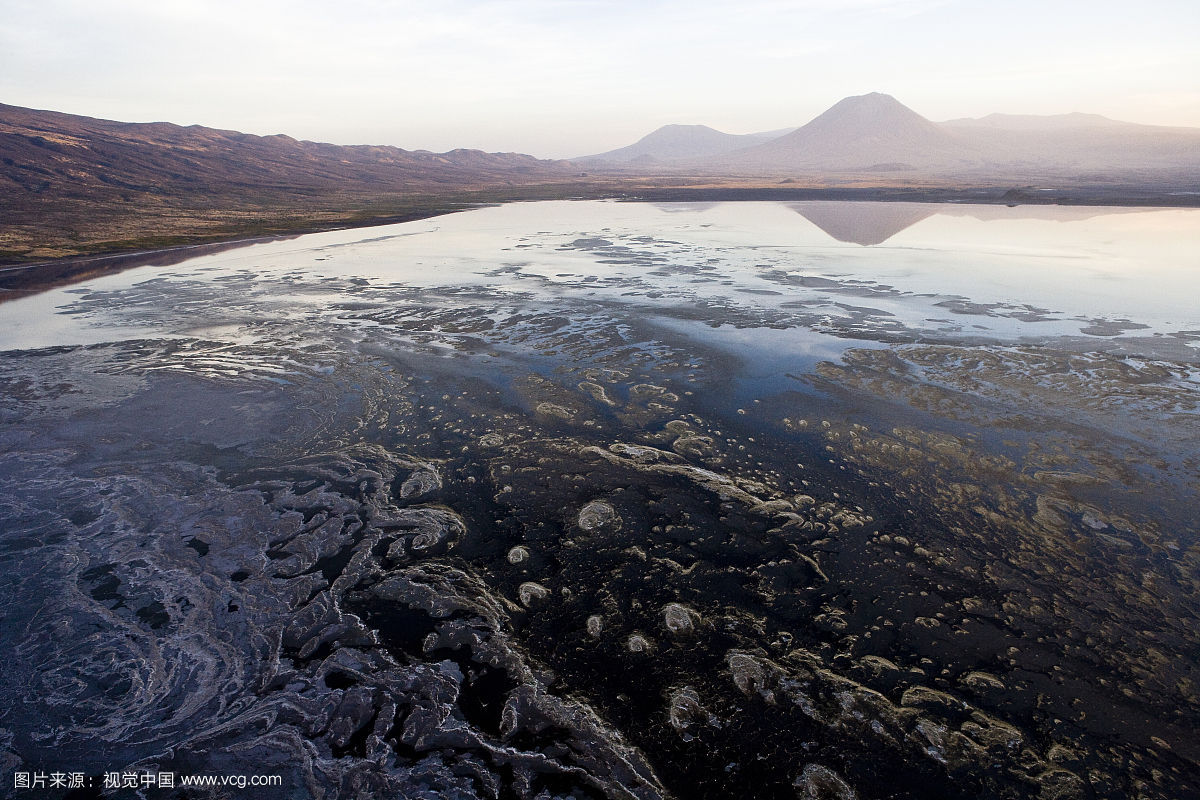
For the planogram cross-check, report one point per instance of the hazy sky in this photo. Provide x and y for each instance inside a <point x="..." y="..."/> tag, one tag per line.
<point x="569" y="77"/>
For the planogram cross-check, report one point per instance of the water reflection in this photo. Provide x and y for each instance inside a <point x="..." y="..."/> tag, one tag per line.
<point x="870" y="223"/>
<point x="863" y="223"/>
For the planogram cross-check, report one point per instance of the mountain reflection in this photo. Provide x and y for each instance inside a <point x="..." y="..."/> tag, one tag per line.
<point x="863" y="223"/>
<point x="872" y="223"/>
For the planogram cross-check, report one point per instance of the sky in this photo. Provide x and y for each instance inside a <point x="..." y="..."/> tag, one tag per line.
<point x="562" y="78"/>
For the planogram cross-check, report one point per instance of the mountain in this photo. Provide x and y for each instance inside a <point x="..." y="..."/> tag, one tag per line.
<point x="875" y="134"/>
<point x="680" y="142"/>
<point x="868" y="132"/>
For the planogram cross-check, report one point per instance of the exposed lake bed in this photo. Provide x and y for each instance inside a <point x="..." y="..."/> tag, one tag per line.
<point x="622" y="500"/>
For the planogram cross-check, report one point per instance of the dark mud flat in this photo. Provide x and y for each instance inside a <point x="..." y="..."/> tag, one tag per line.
<point x="569" y="521"/>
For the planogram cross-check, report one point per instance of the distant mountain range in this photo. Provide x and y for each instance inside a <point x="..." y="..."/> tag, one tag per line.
<point x="876" y="134"/>
<point x="71" y="156"/>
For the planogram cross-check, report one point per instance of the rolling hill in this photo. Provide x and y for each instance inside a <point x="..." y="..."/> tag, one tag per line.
<point x="680" y="142"/>
<point x="70" y="185"/>
<point x="1080" y="143"/>
<point x="85" y="157"/>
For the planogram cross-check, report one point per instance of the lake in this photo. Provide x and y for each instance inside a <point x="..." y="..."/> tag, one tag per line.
<point x="607" y="499"/>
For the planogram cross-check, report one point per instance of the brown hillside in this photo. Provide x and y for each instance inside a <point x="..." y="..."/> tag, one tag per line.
<point x="71" y="184"/>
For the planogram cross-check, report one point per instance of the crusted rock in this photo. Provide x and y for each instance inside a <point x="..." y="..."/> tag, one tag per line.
<point x="531" y="593"/>
<point x="817" y="782"/>
<point x="686" y="713"/>
<point x="596" y="515"/>
<point x="680" y="620"/>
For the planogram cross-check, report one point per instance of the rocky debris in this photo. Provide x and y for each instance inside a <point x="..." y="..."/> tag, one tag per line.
<point x="597" y="515"/>
<point x="982" y="682"/>
<point x="473" y="625"/>
<point x="941" y="597"/>
<point x="422" y="481"/>
<point x="596" y="392"/>
<point x="817" y="782"/>
<point x="532" y="594"/>
<point x="687" y="714"/>
<point x="926" y="723"/>
<point x="679" y="620"/>
<point x="555" y="410"/>
<point x="552" y="403"/>
<point x="752" y="675"/>
<point x="642" y="454"/>
<point x="789" y="575"/>
<point x="637" y="643"/>
<point x="421" y="531"/>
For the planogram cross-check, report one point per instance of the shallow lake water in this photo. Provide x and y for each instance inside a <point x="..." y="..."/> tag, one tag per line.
<point x="602" y="499"/>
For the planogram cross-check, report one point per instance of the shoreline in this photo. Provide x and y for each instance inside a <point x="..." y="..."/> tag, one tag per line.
<point x="23" y="279"/>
